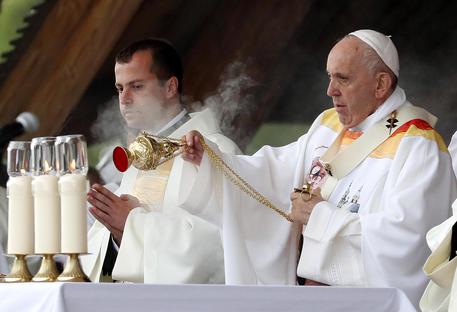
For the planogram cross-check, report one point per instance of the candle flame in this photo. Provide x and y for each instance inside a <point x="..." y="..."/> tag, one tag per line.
<point x="47" y="168"/>
<point x="73" y="165"/>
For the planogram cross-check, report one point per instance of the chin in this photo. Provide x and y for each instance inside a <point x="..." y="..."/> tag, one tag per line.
<point x="346" y="124"/>
<point x="134" y="125"/>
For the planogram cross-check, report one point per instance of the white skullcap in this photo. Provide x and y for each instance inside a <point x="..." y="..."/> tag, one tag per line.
<point x="383" y="46"/>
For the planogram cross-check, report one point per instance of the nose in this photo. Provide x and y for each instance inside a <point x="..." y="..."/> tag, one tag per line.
<point x="332" y="89"/>
<point x="125" y="97"/>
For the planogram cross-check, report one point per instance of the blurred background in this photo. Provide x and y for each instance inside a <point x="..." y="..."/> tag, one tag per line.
<point x="259" y="63"/>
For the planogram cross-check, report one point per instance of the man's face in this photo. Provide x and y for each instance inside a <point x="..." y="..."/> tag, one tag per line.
<point x="352" y="87"/>
<point x="142" y="97"/>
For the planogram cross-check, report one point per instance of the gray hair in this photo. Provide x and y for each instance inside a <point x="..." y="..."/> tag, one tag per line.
<point x="374" y="63"/>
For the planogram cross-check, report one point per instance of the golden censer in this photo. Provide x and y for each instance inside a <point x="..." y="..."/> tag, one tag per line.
<point x="149" y="151"/>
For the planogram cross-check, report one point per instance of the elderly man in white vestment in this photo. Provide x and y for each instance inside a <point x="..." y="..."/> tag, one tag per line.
<point x="440" y="267"/>
<point x="141" y="234"/>
<point x="385" y="179"/>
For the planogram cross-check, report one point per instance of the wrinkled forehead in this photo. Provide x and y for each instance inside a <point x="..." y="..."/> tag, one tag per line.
<point x="347" y="52"/>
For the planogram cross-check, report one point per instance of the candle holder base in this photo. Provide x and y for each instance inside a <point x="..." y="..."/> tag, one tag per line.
<point x="73" y="271"/>
<point x="19" y="272"/>
<point x="48" y="270"/>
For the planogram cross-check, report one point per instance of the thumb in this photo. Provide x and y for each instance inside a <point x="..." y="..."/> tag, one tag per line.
<point x="125" y="197"/>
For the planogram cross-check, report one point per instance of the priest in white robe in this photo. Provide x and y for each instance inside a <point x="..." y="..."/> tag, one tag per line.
<point x="141" y="234"/>
<point x="381" y="178"/>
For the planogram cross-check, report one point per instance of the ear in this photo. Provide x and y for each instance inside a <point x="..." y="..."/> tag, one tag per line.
<point x="171" y="87"/>
<point x="383" y="85"/>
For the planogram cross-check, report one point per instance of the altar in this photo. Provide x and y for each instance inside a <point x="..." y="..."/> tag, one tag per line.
<point x="75" y="297"/>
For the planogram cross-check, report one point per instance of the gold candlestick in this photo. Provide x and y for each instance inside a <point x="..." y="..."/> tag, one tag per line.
<point x="48" y="270"/>
<point x="73" y="271"/>
<point x="19" y="272"/>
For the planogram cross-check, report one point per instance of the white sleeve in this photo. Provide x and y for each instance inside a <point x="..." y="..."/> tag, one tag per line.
<point x="260" y="246"/>
<point x="386" y="247"/>
<point x="169" y="248"/>
<point x="271" y="171"/>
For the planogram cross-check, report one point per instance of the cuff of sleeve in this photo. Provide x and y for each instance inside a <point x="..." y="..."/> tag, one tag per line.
<point x="326" y="221"/>
<point x="438" y="267"/>
<point x="194" y="195"/>
<point x="318" y="221"/>
<point x="116" y="247"/>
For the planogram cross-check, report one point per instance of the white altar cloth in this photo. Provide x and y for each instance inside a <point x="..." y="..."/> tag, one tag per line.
<point x="68" y="297"/>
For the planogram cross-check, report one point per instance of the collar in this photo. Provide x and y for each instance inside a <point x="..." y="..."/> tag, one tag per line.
<point x="174" y="124"/>
<point x="395" y="100"/>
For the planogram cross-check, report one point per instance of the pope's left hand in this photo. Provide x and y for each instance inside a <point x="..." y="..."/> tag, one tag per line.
<point x="303" y="205"/>
<point x="111" y="210"/>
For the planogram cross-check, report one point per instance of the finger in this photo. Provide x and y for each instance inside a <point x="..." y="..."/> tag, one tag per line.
<point x="105" y="220"/>
<point x="294" y="196"/>
<point x="188" y="157"/>
<point x="128" y="197"/>
<point x="104" y="191"/>
<point x="190" y="150"/>
<point x="190" y="139"/>
<point x="93" y="193"/>
<point x="197" y="143"/>
<point x="102" y="217"/>
<point x="99" y="204"/>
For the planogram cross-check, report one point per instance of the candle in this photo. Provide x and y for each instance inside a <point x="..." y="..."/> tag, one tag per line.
<point x="47" y="214"/>
<point x="20" y="216"/>
<point x="73" y="190"/>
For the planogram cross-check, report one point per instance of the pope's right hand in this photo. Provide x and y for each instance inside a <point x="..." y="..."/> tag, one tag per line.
<point x="193" y="152"/>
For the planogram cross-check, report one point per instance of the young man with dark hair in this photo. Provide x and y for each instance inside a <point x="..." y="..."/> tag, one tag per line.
<point x="141" y="233"/>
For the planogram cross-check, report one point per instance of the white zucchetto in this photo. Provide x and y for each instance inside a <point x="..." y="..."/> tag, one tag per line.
<point x="383" y="46"/>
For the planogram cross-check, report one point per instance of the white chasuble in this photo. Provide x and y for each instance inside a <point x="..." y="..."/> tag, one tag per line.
<point x="149" y="186"/>
<point x="370" y="231"/>
<point x="162" y="243"/>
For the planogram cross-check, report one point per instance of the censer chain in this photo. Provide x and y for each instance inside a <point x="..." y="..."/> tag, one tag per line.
<point x="237" y="180"/>
<point x="231" y="175"/>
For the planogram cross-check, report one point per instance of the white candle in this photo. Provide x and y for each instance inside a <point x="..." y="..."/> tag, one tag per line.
<point x="73" y="190"/>
<point x="47" y="214"/>
<point x="20" y="216"/>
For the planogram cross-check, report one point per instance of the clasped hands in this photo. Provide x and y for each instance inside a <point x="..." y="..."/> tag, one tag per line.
<point x="303" y="203"/>
<point x="111" y="210"/>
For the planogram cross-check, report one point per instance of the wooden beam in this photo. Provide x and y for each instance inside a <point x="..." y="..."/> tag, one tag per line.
<point x="61" y="62"/>
<point x="255" y="33"/>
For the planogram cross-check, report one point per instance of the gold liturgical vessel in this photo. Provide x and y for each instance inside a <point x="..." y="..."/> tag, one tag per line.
<point x="19" y="272"/>
<point x="73" y="271"/>
<point x="48" y="270"/>
<point x="148" y="151"/>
